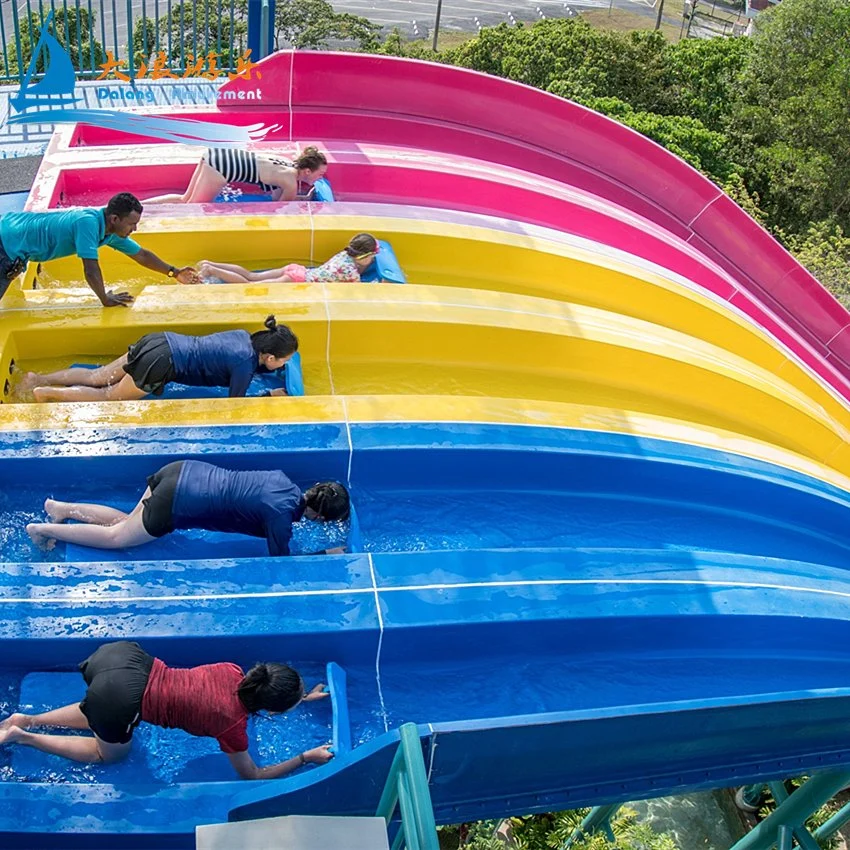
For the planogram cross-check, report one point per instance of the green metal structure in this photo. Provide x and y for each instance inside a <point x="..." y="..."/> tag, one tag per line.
<point x="407" y="789"/>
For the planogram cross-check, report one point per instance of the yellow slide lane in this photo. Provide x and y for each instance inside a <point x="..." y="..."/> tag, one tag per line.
<point x="402" y="340"/>
<point x="446" y="255"/>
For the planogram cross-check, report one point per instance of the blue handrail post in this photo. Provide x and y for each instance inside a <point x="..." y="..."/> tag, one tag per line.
<point x="260" y="27"/>
<point x="407" y="788"/>
<point x="793" y="812"/>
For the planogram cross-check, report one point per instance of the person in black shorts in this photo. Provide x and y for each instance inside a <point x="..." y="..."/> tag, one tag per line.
<point x="193" y="494"/>
<point x="220" y="167"/>
<point x="228" y="359"/>
<point x="127" y="686"/>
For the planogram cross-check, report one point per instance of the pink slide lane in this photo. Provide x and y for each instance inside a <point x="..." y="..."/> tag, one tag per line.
<point x="358" y="97"/>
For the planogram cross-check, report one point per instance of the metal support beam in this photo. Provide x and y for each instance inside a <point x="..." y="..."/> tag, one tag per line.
<point x="794" y="811"/>
<point x="826" y="830"/>
<point x="599" y="817"/>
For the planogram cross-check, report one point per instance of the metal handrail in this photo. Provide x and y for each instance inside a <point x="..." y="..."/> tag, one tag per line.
<point x="407" y="788"/>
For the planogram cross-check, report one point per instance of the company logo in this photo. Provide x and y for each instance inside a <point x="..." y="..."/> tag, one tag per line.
<point x="51" y="99"/>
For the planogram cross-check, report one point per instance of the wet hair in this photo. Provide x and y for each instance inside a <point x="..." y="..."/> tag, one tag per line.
<point x="123" y="204"/>
<point x="277" y="339"/>
<point x="311" y="159"/>
<point x="270" y="687"/>
<point x="329" y="499"/>
<point x="363" y="243"/>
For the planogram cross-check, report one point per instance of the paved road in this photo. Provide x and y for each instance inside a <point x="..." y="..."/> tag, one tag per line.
<point x="414" y="18"/>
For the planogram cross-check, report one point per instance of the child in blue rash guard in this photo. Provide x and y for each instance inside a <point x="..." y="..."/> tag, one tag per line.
<point x="193" y="494"/>
<point x="227" y="359"/>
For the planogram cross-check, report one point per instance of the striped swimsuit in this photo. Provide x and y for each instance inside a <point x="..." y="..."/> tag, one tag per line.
<point x="238" y="166"/>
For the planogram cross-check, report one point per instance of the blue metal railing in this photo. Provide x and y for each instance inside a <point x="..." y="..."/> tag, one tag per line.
<point x="407" y="790"/>
<point x="95" y="31"/>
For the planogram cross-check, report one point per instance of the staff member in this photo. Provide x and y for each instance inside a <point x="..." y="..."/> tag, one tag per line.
<point x="42" y="236"/>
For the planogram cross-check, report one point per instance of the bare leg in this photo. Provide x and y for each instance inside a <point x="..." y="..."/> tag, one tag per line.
<point x="124" y="390"/>
<point x="68" y="717"/>
<point x="82" y="512"/>
<point x="77" y="376"/>
<point x="125" y="533"/>
<point x="205" y="184"/>
<point x="228" y="275"/>
<point x="76" y="748"/>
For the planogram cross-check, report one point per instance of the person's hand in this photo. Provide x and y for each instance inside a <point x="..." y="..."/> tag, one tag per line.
<point x="319" y="755"/>
<point x="279" y="391"/>
<point x="318" y="692"/>
<point x="337" y="550"/>
<point x="117" y="299"/>
<point x="188" y="276"/>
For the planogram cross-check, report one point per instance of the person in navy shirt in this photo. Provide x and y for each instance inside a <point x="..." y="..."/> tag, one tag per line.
<point x="194" y="494"/>
<point x="228" y="359"/>
<point x="42" y="236"/>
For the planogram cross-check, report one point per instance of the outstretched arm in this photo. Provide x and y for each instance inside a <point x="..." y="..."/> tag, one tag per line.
<point x="150" y="261"/>
<point x="94" y="278"/>
<point x="245" y="766"/>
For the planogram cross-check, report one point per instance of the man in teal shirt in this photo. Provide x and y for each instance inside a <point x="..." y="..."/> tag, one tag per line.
<point x="38" y="237"/>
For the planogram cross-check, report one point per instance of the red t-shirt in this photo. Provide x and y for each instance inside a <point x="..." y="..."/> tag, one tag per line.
<point x="200" y="700"/>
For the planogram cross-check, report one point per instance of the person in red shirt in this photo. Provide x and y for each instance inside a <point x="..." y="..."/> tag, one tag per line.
<point x="127" y="686"/>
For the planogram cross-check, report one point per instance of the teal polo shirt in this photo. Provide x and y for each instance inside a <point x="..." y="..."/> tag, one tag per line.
<point x="42" y="236"/>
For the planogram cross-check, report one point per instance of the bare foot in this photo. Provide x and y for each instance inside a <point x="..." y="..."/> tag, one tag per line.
<point x="41" y="540"/>
<point x="29" y="382"/>
<point x="10" y="735"/>
<point x="16" y="719"/>
<point x="55" y="510"/>
<point x="42" y="394"/>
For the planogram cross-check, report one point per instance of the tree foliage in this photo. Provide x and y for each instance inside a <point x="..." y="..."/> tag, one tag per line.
<point x="767" y="117"/>
<point x="314" y="23"/>
<point x="71" y="27"/>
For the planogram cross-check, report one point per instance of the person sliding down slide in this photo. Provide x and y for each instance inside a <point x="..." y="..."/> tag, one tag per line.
<point x="127" y="686"/>
<point x="222" y="166"/>
<point x="344" y="267"/>
<point x="193" y="494"/>
<point x="227" y="359"/>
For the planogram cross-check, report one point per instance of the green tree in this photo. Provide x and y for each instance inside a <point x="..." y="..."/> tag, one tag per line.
<point x="192" y="30"/>
<point x="581" y="61"/>
<point x="705" y="74"/>
<point x="73" y="28"/>
<point x="313" y="23"/>
<point x="792" y="112"/>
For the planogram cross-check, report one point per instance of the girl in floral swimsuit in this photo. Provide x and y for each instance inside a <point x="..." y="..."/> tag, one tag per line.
<point x="346" y="266"/>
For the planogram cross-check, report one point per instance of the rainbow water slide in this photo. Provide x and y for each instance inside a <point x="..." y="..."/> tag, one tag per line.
<point x="597" y="447"/>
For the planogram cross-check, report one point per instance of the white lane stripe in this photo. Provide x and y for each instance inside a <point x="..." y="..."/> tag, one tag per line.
<point x="380" y="643"/>
<point x="350" y="446"/>
<point x="291" y="86"/>
<point x="356" y="591"/>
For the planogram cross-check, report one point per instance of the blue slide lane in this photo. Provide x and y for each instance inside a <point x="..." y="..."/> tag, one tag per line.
<point x="532" y="597"/>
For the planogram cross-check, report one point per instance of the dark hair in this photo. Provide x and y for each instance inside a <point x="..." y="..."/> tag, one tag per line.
<point x="277" y="340"/>
<point x="273" y="687"/>
<point x="311" y="159"/>
<point x="329" y="499"/>
<point x="363" y="243"/>
<point x="123" y="204"/>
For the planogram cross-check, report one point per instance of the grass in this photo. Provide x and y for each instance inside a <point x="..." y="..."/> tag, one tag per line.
<point x="622" y="20"/>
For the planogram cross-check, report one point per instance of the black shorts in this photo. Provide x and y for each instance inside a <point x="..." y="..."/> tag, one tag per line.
<point x="156" y="512"/>
<point x="116" y="675"/>
<point x="149" y="363"/>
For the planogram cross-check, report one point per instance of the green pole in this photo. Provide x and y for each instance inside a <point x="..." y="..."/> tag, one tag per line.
<point x="793" y="812"/>
<point x="599" y="817"/>
<point x="835" y="823"/>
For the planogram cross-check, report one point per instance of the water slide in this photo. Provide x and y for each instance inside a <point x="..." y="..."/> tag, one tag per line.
<point x="598" y="459"/>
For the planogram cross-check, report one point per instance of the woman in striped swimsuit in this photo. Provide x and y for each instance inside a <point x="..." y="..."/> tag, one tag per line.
<point x="221" y="166"/>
